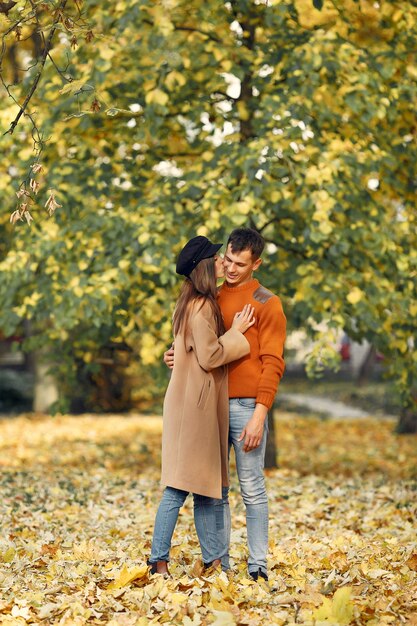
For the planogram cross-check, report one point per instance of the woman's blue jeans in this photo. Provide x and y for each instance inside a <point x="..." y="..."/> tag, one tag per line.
<point x="204" y="519"/>
<point x="250" y="470"/>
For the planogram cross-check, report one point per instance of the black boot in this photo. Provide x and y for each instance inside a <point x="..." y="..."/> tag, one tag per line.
<point x="259" y="573"/>
<point x="215" y="564"/>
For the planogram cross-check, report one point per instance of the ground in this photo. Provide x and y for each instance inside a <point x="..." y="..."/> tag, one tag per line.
<point x="78" y="498"/>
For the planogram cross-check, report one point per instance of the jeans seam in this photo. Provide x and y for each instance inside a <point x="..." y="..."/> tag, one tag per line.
<point x="168" y="498"/>
<point x="258" y="513"/>
<point x="164" y="527"/>
<point x="206" y="530"/>
<point x="207" y="544"/>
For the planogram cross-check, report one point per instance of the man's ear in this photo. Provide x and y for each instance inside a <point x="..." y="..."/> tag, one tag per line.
<point x="257" y="263"/>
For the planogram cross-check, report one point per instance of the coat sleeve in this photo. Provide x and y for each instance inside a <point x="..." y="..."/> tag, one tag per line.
<point x="213" y="351"/>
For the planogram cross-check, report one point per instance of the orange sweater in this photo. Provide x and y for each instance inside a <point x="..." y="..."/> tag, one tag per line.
<point x="258" y="374"/>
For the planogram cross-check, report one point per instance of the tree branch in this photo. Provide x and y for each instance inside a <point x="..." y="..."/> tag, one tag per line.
<point x="192" y="29"/>
<point x="224" y="95"/>
<point x="67" y="79"/>
<point x="45" y="54"/>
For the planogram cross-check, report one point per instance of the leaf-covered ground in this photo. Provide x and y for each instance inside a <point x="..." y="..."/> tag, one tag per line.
<point x="77" y="502"/>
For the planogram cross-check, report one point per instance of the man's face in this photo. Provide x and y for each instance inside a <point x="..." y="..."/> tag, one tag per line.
<point x="238" y="266"/>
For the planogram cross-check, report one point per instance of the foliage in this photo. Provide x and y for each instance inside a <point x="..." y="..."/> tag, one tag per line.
<point x="179" y="117"/>
<point x="78" y="499"/>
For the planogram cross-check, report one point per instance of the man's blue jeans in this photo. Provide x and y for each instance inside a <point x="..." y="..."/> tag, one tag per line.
<point x="204" y="519"/>
<point x="250" y="470"/>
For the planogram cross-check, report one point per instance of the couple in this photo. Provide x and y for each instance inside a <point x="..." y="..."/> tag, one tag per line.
<point x="208" y="407"/>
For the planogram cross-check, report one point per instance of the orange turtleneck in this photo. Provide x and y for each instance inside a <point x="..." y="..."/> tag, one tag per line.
<point x="256" y="375"/>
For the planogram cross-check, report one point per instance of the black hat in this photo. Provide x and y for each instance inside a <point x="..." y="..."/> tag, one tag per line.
<point x="197" y="249"/>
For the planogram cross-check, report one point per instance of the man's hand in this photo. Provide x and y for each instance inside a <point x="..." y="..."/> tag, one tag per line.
<point x="169" y="357"/>
<point x="254" y="429"/>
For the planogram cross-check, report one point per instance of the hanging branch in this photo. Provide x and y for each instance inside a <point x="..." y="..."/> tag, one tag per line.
<point x="45" y="55"/>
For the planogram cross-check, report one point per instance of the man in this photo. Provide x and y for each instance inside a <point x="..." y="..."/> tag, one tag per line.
<point x="253" y="382"/>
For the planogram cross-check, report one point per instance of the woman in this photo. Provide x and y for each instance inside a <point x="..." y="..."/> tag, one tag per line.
<point x="195" y="415"/>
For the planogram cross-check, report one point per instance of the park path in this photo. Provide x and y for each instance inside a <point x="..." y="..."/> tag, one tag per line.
<point x="332" y="408"/>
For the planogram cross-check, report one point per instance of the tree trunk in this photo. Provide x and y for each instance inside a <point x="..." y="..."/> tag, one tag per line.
<point x="271" y="452"/>
<point x="367" y="367"/>
<point x="45" y="389"/>
<point x="407" y="424"/>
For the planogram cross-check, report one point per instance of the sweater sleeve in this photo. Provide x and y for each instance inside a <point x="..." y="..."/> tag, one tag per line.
<point x="213" y="351"/>
<point x="272" y="330"/>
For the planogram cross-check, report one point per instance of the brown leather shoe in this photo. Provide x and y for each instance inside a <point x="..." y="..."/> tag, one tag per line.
<point x="159" y="567"/>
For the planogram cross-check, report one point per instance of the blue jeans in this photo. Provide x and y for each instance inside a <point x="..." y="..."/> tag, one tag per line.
<point x="204" y="519"/>
<point x="250" y="470"/>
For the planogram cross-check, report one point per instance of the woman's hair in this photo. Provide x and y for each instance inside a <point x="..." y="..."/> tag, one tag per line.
<point x="200" y="287"/>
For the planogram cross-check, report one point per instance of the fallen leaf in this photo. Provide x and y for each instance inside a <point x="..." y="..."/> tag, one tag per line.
<point x="127" y="576"/>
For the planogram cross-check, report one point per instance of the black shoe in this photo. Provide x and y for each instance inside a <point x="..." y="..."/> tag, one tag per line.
<point x="216" y="563"/>
<point x="255" y="575"/>
<point x="152" y="566"/>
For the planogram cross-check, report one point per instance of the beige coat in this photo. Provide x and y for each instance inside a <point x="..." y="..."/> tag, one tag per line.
<point x="196" y="407"/>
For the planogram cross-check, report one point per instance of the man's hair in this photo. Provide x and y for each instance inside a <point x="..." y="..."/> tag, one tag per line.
<point x="247" y="239"/>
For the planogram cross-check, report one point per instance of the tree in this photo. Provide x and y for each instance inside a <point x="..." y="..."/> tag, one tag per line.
<point x="171" y="118"/>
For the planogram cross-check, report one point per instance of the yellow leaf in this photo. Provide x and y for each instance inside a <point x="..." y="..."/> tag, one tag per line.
<point x="157" y="96"/>
<point x="309" y="17"/>
<point x="325" y="228"/>
<point x="323" y="200"/>
<point x="226" y="65"/>
<point x="160" y="19"/>
<point x="72" y="87"/>
<point x="196" y="621"/>
<point x="412" y="71"/>
<point x="106" y="53"/>
<point x="245" y="205"/>
<point x="355" y="295"/>
<point x="144" y="237"/>
<point x="173" y="78"/>
<point x="400" y="344"/>
<point x="33" y="299"/>
<point x="126" y="576"/>
<point x="124" y="264"/>
<point x="338" y="610"/>
<point x="397" y="15"/>
<point x="243" y="111"/>
<point x="223" y="618"/>
<point x="8" y="556"/>
<point x="178" y="598"/>
<point x="218" y="54"/>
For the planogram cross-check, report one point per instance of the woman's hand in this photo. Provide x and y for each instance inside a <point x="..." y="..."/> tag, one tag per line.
<point x="169" y="357"/>
<point x="244" y="319"/>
